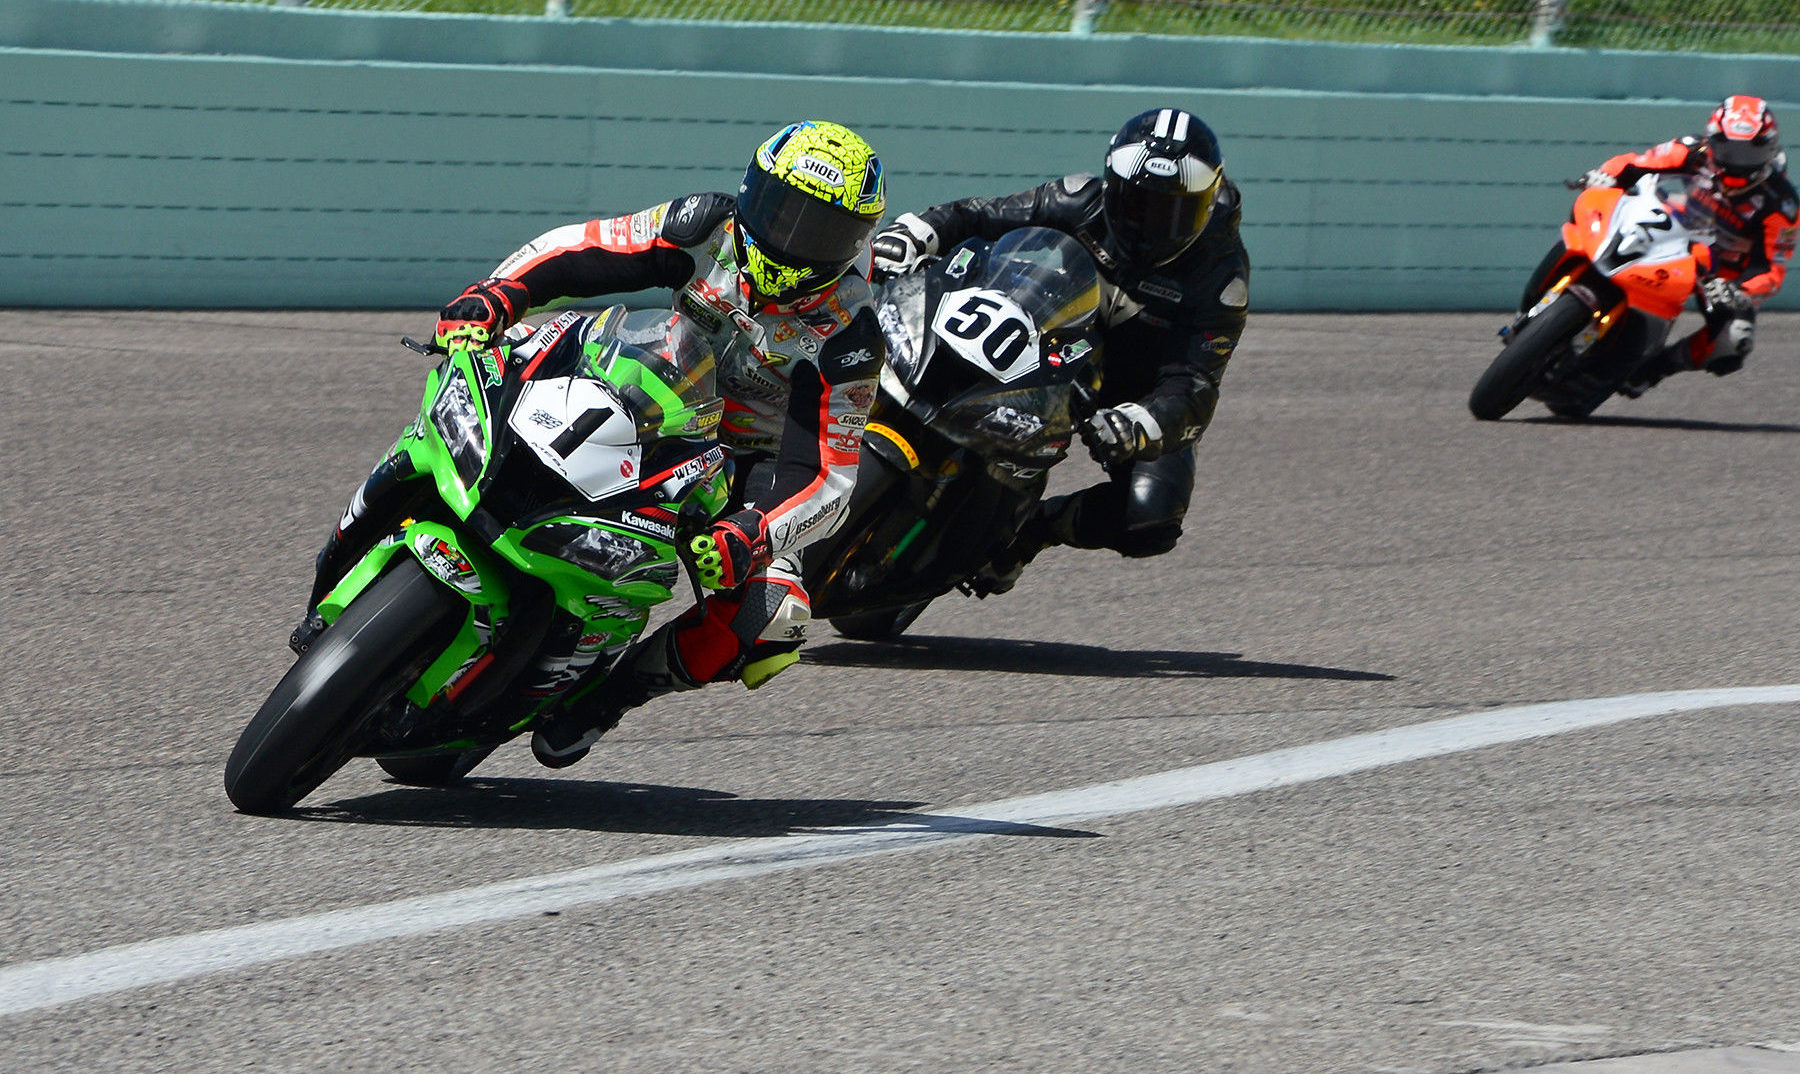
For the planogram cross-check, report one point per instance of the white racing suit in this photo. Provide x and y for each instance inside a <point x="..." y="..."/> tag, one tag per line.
<point x="797" y="381"/>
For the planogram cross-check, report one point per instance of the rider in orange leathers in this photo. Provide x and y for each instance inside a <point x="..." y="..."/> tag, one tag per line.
<point x="1740" y="181"/>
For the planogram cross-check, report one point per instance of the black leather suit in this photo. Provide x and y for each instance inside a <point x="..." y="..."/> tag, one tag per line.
<point x="1168" y="331"/>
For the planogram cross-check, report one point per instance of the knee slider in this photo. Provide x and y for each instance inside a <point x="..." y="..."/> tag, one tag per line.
<point x="1736" y="338"/>
<point x="1149" y="541"/>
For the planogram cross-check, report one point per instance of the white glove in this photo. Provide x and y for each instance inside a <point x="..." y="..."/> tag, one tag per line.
<point x="1122" y="433"/>
<point x="1722" y="294"/>
<point x="902" y="246"/>
<point x="1598" y="178"/>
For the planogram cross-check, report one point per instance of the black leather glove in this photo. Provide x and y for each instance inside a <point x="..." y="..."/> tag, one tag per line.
<point x="733" y="549"/>
<point x="481" y="312"/>
<point x="902" y="246"/>
<point x="1122" y="433"/>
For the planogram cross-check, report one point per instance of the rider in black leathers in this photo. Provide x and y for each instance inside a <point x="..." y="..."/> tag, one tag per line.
<point x="1162" y="225"/>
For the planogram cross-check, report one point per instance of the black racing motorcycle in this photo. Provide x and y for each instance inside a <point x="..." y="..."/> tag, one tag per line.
<point x="991" y="354"/>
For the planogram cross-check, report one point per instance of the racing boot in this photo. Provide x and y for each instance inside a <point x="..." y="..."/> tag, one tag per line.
<point x="1051" y="523"/>
<point x="1673" y="358"/>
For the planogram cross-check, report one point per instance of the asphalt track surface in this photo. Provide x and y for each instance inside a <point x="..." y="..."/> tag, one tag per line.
<point x="861" y="867"/>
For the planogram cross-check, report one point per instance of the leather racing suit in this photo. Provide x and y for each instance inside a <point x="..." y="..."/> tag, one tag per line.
<point x="1168" y="331"/>
<point x="797" y="382"/>
<point x="1753" y="241"/>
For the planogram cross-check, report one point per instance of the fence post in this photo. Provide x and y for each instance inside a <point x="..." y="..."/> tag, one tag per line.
<point x="1546" y="20"/>
<point x="1086" y="11"/>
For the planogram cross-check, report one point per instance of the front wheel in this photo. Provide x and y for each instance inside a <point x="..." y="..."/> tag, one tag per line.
<point x="319" y="713"/>
<point x="1513" y="373"/>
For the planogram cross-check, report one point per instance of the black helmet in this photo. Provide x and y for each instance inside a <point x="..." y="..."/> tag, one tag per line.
<point x="1162" y="176"/>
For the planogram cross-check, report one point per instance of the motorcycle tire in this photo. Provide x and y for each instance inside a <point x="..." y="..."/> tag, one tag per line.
<point x="434" y="770"/>
<point x="878" y="626"/>
<point x="320" y="712"/>
<point x="1513" y="373"/>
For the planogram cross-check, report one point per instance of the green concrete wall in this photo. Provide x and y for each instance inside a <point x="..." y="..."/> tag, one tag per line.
<point x="349" y="162"/>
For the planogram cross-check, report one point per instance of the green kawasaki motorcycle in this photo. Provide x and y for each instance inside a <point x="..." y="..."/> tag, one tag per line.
<point x="502" y="556"/>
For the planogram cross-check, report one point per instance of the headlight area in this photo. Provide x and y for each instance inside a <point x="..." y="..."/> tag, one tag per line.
<point x="598" y="551"/>
<point x="458" y="422"/>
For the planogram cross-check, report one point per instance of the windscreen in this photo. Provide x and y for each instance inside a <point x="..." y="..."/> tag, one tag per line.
<point x="661" y="365"/>
<point x="1048" y="274"/>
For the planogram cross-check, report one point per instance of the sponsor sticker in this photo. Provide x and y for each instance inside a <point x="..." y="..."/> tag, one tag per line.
<point x="819" y="168"/>
<point x="1159" y="290"/>
<point x="655" y="527"/>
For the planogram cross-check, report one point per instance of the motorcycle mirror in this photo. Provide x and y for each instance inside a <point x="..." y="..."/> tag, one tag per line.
<point x="423" y="348"/>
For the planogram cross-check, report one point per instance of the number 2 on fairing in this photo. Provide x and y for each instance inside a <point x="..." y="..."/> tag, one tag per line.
<point x="990" y="331"/>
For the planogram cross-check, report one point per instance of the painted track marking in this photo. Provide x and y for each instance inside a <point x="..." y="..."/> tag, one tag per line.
<point x="32" y="986"/>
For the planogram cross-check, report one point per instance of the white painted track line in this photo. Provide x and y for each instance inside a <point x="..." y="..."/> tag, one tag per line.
<point x="1750" y="1060"/>
<point x="33" y="986"/>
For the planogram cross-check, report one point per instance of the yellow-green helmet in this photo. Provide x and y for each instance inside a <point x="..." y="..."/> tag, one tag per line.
<point x="809" y="205"/>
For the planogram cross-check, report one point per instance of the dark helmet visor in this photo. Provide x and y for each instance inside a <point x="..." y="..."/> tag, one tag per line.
<point x="1156" y="223"/>
<point x="1741" y="157"/>
<point x="797" y="229"/>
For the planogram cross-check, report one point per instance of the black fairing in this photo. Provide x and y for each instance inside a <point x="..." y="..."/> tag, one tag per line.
<point x="923" y="521"/>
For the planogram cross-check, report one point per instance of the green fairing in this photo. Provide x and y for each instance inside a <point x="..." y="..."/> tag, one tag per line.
<point x="618" y="610"/>
<point x="493" y="594"/>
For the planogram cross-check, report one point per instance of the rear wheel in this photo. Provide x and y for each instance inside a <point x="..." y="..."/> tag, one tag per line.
<point x="878" y="626"/>
<point x="322" y="710"/>
<point x="1514" y="372"/>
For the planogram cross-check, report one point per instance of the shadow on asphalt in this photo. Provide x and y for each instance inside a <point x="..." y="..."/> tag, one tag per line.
<point x="923" y="653"/>
<point x="1688" y="424"/>
<point x="644" y="809"/>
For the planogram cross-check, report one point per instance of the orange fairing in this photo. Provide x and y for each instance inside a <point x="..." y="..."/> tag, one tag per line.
<point x="1660" y="288"/>
<point x="1586" y="228"/>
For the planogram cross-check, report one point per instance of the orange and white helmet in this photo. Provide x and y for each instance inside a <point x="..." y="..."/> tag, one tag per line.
<point x="1743" y="143"/>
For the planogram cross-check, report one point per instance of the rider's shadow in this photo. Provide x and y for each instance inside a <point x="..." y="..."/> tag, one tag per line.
<point x="925" y="653"/>
<point x="644" y="808"/>
<point x="1687" y="424"/>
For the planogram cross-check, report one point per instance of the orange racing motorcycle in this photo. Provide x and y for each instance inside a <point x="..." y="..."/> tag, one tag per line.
<point x="1602" y="301"/>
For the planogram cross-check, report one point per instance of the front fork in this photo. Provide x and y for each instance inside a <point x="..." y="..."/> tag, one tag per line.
<point x="470" y="573"/>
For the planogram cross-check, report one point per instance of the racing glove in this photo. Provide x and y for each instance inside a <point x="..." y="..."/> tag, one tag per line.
<point x="1599" y="178"/>
<point x="481" y="312"/>
<point x="1122" y="433"/>
<point x="1722" y="294"/>
<point x="733" y="549"/>
<point x="902" y="246"/>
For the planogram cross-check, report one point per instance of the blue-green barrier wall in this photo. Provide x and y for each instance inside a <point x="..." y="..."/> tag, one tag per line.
<point x="391" y="179"/>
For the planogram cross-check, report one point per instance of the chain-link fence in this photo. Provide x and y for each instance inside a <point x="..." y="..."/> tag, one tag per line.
<point x="1751" y="26"/>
